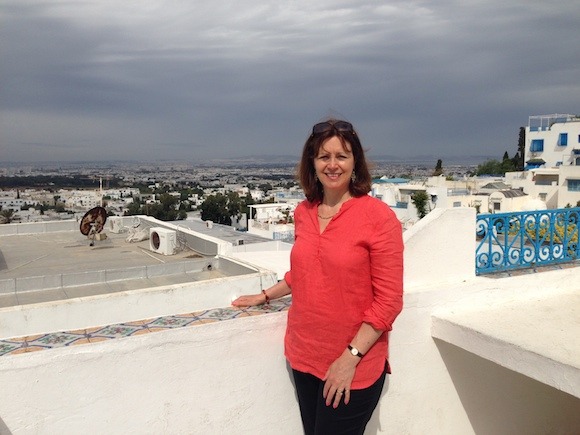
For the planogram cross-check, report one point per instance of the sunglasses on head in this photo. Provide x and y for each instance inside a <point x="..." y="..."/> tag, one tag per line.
<point x="324" y="127"/>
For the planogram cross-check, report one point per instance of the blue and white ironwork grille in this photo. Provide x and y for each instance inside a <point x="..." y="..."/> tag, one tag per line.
<point x="519" y="240"/>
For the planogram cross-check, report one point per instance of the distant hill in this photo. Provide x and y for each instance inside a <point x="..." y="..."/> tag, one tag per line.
<point x="262" y="160"/>
<point x="431" y="160"/>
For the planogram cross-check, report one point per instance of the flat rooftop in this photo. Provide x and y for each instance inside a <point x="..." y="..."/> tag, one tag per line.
<point x="50" y="266"/>
<point x="222" y="232"/>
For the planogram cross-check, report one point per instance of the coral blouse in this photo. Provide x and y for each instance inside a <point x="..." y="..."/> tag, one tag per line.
<point x="349" y="274"/>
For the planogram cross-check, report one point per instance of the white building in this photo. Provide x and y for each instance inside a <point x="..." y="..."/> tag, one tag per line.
<point x="80" y="199"/>
<point x="553" y="139"/>
<point x="121" y="193"/>
<point x="257" y="195"/>
<point x="485" y="194"/>
<point x="13" y="204"/>
<point x="272" y="221"/>
<point x="398" y="194"/>
<point x="552" y="158"/>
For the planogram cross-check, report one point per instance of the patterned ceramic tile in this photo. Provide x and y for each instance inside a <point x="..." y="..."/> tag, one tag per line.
<point x="39" y="342"/>
<point x="7" y="347"/>
<point x="114" y="331"/>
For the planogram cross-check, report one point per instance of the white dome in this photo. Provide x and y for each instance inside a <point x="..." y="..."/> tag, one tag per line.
<point x="534" y="204"/>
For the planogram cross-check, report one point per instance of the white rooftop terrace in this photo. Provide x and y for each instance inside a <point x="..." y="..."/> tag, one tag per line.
<point x="470" y="355"/>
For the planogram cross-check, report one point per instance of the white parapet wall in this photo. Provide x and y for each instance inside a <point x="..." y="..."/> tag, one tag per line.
<point x="440" y="247"/>
<point x="231" y="377"/>
<point x="131" y="305"/>
<point x="38" y="227"/>
<point x="220" y="378"/>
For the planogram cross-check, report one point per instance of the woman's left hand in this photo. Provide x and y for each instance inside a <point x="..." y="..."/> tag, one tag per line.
<point x="338" y="379"/>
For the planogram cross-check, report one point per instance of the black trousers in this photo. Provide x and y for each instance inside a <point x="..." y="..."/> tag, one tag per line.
<point x="319" y="419"/>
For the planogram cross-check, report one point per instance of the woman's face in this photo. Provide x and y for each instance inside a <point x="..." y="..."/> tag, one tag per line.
<point x="334" y="165"/>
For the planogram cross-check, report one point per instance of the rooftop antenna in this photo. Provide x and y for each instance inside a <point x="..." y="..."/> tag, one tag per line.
<point x="93" y="223"/>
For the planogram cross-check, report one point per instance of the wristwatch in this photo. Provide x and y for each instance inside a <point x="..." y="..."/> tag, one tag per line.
<point x="355" y="351"/>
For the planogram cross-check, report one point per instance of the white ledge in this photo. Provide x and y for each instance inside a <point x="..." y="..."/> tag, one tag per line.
<point x="538" y="337"/>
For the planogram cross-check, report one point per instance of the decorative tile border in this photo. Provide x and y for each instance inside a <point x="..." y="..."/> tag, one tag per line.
<point x="34" y="343"/>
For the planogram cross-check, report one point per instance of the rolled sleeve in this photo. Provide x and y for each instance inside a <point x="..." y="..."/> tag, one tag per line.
<point x="386" y="255"/>
<point x="288" y="278"/>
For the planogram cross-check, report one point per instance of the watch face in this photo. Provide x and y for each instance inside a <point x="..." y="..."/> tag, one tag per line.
<point x="353" y="351"/>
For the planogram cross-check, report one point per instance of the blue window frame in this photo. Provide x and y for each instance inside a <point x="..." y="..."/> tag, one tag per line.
<point x="563" y="139"/>
<point x="537" y="146"/>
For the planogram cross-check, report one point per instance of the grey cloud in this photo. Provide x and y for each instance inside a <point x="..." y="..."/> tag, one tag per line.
<point x="219" y="78"/>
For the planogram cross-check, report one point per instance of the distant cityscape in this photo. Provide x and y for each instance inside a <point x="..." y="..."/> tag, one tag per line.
<point x="39" y="191"/>
<point x="225" y="171"/>
<point x="261" y="193"/>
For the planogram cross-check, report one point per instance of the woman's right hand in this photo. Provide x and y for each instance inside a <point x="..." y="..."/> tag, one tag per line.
<point x="249" y="300"/>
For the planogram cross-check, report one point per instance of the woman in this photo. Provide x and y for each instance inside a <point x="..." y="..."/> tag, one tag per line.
<point x="346" y="281"/>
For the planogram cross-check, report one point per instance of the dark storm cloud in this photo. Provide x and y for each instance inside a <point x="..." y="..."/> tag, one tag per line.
<point x="203" y="79"/>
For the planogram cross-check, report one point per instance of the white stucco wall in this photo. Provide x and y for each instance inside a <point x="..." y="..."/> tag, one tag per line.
<point x="230" y="377"/>
<point x="221" y="378"/>
<point x="440" y="247"/>
<point x="39" y="227"/>
<point x="554" y="153"/>
<point x="102" y="310"/>
<point x="566" y="196"/>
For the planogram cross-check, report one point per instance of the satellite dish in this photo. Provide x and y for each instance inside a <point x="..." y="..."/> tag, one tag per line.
<point x="93" y="222"/>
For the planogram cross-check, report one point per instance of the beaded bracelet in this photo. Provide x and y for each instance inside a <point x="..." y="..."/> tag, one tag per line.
<point x="267" y="297"/>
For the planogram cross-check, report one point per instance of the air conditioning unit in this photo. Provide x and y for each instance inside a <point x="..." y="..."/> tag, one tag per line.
<point x="116" y="224"/>
<point x="162" y="240"/>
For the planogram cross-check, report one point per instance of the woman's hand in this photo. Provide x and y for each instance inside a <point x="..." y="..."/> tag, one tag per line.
<point x="249" y="300"/>
<point x="338" y="379"/>
<point x="278" y="290"/>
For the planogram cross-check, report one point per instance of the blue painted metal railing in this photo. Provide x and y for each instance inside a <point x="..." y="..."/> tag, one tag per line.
<point x="507" y="241"/>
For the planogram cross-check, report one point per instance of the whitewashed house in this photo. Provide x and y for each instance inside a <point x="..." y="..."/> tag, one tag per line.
<point x="552" y="160"/>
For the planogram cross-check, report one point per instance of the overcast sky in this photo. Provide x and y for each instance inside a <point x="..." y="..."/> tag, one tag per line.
<point x="202" y="79"/>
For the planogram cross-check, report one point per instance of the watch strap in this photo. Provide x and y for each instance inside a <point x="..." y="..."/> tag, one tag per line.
<point x="353" y="350"/>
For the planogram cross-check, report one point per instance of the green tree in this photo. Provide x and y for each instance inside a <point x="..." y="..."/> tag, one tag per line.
<point x="438" y="168"/>
<point x="507" y="164"/>
<point x="133" y="209"/>
<point x="165" y="210"/>
<point x="516" y="162"/>
<point x="519" y="164"/>
<point x="265" y="187"/>
<point x="419" y="200"/>
<point x="215" y="209"/>
<point x="168" y="201"/>
<point x="234" y="204"/>
<point x="246" y="201"/>
<point x="489" y="167"/>
<point x="6" y="216"/>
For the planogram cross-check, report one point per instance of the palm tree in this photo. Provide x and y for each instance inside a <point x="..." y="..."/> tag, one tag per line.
<point x="6" y="216"/>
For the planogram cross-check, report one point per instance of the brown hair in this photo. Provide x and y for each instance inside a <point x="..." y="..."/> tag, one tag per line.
<point x="306" y="173"/>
